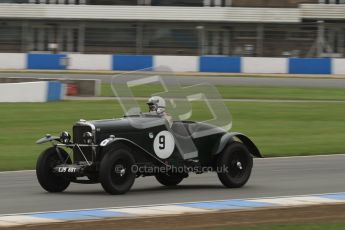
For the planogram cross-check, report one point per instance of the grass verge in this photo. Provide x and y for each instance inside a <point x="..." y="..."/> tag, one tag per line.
<point x="279" y="129"/>
<point x="249" y="92"/>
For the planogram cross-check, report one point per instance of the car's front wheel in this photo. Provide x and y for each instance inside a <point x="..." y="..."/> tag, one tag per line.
<point x="234" y="165"/>
<point x="116" y="174"/>
<point x="169" y="179"/>
<point x="46" y="162"/>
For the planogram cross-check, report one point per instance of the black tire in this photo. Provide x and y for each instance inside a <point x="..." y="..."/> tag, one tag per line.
<point x="238" y="162"/>
<point x="50" y="181"/>
<point x="114" y="180"/>
<point x="169" y="179"/>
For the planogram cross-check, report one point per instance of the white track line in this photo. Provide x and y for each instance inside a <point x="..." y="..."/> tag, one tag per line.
<point x="309" y="156"/>
<point x="76" y="98"/>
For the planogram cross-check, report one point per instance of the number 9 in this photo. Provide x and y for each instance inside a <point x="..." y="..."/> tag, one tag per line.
<point x="161" y="142"/>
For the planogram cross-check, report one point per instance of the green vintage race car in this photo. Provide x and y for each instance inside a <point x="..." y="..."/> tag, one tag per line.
<point x="115" y="152"/>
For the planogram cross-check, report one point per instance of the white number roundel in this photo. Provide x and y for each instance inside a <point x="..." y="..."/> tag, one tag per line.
<point x="164" y="144"/>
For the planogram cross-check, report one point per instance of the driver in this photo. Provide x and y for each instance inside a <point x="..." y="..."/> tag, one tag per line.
<point x="157" y="106"/>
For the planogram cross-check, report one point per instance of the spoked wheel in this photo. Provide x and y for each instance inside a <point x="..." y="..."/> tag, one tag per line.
<point x="169" y="179"/>
<point x="235" y="164"/>
<point x="116" y="175"/>
<point x="46" y="162"/>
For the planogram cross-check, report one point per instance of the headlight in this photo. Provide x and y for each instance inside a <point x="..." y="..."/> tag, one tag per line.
<point x="65" y="137"/>
<point x="88" y="138"/>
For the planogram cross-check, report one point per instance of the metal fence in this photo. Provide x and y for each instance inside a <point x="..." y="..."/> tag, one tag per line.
<point x="314" y="39"/>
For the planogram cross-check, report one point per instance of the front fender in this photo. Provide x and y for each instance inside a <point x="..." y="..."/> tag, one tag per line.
<point x="231" y="137"/>
<point x="47" y="138"/>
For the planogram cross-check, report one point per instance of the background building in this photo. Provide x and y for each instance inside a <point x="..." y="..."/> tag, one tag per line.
<point x="267" y="28"/>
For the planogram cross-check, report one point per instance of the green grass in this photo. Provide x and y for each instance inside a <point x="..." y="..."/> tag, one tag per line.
<point x="250" y="92"/>
<point x="23" y="123"/>
<point x="289" y="227"/>
<point x="279" y="129"/>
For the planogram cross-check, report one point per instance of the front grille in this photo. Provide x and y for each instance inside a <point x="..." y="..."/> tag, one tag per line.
<point x="78" y="131"/>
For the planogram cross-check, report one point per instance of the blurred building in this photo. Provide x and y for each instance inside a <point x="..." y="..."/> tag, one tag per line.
<point x="303" y="28"/>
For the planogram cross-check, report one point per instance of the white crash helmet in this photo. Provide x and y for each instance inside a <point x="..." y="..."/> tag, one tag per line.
<point x="156" y="104"/>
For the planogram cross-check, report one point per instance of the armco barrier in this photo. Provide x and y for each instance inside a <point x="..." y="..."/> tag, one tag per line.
<point x="31" y="91"/>
<point x="13" y="60"/>
<point x="338" y="66"/>
<point x="47" y="61"/>
<point x="132" y="62"/>
<point x="178" y="63"/>
<point x="89" y="62"/>
<point x="85" y="87"/>
<point x="55" y="90"/>
<point x="220" y="64"/>
<point x="310" y="66"/>
<point x="264" y="65"/>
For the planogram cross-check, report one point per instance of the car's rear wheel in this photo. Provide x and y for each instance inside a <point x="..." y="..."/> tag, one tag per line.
<point x="46" y="162"/>
<point x="234" y="165"/>
<point x="116" y="174"/>
<point x="169" y="179"/>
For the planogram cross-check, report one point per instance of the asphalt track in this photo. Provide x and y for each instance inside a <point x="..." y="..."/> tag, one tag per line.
<point x="215" y="80"/>
<point x="20" y="192"/>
